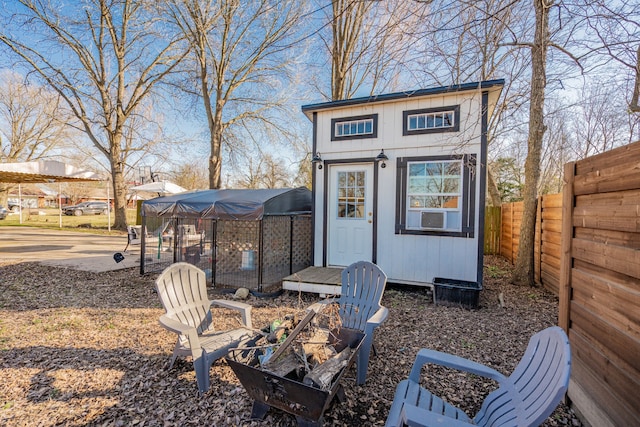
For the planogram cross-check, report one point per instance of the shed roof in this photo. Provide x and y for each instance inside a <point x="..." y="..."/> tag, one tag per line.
<point x="486" y="84"/>
<point x="231" y="204"/>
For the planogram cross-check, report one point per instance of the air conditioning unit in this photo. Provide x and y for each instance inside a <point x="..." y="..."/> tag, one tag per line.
<point x="433" y="220"/>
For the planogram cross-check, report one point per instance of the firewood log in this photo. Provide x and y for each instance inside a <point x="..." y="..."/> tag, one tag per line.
<point x="317" y="349"/>
<point x="322" y="375"/>
<point x="284" y="365"/>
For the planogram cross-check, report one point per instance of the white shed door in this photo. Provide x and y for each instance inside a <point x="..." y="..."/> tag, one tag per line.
<point x="350" y="214"/>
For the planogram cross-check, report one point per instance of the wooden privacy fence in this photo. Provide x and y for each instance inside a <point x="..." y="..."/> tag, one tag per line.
<point x="599" y="303"/>
<point x="492" y="230"/>
<point x="547" y="239"/>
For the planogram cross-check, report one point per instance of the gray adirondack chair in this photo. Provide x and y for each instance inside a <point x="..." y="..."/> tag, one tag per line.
<point x="183" y="292"/>
<point x="363" y="284"/>
<point x="525" y="398"/>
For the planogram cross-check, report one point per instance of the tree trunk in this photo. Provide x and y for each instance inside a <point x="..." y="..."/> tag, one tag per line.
<point x="347" y="27"/>
<point x="523" y="273"/>
<point x="119" y="188"/>
<point x="633" y="105"/>
<point x="495" y="198"/>
<point x="215" y="159"/>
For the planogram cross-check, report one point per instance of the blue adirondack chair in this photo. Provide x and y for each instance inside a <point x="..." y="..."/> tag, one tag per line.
<point x="525" y="398"/>
<point x="183" y="292"/>
<point x="363" y="284"/>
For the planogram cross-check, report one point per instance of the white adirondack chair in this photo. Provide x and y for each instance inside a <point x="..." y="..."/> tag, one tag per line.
<point x="183" y="292"/>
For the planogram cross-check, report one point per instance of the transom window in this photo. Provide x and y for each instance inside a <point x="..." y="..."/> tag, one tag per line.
<point x="431" y="120"/>
<point x="351" y="191"/>
<point x="354" y="127"/>
<point x="443" y="119"/>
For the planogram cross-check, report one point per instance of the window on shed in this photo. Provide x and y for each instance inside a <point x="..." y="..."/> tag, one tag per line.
<point x="351" y="194"/>
<point x="436" y="195"/>
<point x="354" y="127"/>
<point x="431" y="120"/>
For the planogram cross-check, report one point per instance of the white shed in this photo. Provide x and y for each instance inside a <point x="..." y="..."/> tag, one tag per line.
<point x="399" y="179"/>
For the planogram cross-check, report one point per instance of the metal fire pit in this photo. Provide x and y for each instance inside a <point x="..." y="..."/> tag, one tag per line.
<point x="290" y="395"/>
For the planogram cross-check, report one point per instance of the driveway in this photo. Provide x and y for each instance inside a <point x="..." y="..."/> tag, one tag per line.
<point x="79" y="251"/>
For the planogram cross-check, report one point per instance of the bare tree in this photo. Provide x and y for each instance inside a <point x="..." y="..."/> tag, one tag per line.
<point x="557" y="145"/>
<point x="368" y="44"/>
<point x="304" y="169"/>
<point x="251" y="175"/>
<point x="599" y="121"/>
<point x="347" y="52"/>
<point x="611" y="32"/>
<point x="274" y="173"/>
<point x="32" y="123"/>
<point x="191" y="175"/>
<point x="267" y="172"/>
<point x="465" y="41"/>
<point x="242" y="63"/>
<point x="523" y="271"/>
<point x="104" y="59"/>
<point x="509" y="178"/>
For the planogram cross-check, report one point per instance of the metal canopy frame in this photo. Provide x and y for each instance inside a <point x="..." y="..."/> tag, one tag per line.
<point x="46" y="171"/>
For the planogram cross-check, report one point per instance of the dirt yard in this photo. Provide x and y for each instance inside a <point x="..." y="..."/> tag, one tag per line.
<point x="80" y="348"/>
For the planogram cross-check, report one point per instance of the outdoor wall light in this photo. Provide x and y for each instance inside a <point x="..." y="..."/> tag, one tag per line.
<point x="382" y="158"/>
<point x="317" y="160"/>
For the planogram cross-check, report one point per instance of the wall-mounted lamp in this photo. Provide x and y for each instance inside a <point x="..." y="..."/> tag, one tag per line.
<point x="382" y="158"/>
<point x="317" y="160"/>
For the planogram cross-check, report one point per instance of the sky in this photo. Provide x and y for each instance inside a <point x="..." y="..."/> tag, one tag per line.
<point x="184" y="123"/>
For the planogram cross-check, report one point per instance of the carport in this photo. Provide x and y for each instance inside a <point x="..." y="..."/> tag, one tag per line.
<point x="46" y="171"/>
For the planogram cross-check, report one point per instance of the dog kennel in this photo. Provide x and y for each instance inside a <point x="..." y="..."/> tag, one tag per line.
<point x="240" y="238"/>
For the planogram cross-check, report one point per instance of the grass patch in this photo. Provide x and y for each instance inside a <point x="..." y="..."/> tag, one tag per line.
<point x="495" y="272"/>
<point x="51" y="219"/>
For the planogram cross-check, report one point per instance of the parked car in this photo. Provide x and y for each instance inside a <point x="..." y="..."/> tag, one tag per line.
<point x="3" y="212"/>
<point x="13" y="206"/>
<point x="85" y="208"/>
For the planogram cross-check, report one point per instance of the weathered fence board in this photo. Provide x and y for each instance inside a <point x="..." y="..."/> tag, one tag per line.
<point x="621" y="198"/>
<point x="583" y="345"/>
<point x="599" y="300"/>
<point x="492" y="230"/>
<point x="616" y="258"/>
<point x="608" y="299"/>
<point x="609" y="236"/>
<point x="547" y="238"/>
<point x="609" y="159"/>
<point x="608" y="179"/>
<point x="598" y="330"/>
<point x="587" y="384"/>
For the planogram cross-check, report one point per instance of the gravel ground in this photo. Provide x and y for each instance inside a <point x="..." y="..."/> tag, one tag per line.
<point x="81" y="348"/>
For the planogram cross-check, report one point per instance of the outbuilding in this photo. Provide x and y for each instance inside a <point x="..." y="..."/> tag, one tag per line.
<point x="399" y="179"/>
<point x="240" y="238"/>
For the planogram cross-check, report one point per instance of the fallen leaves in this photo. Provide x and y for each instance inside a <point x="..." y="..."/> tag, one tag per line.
<point x="81" y="348"/>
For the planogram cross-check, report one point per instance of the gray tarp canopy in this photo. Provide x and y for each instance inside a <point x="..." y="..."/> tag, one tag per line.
<point x="230" y="204"/>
